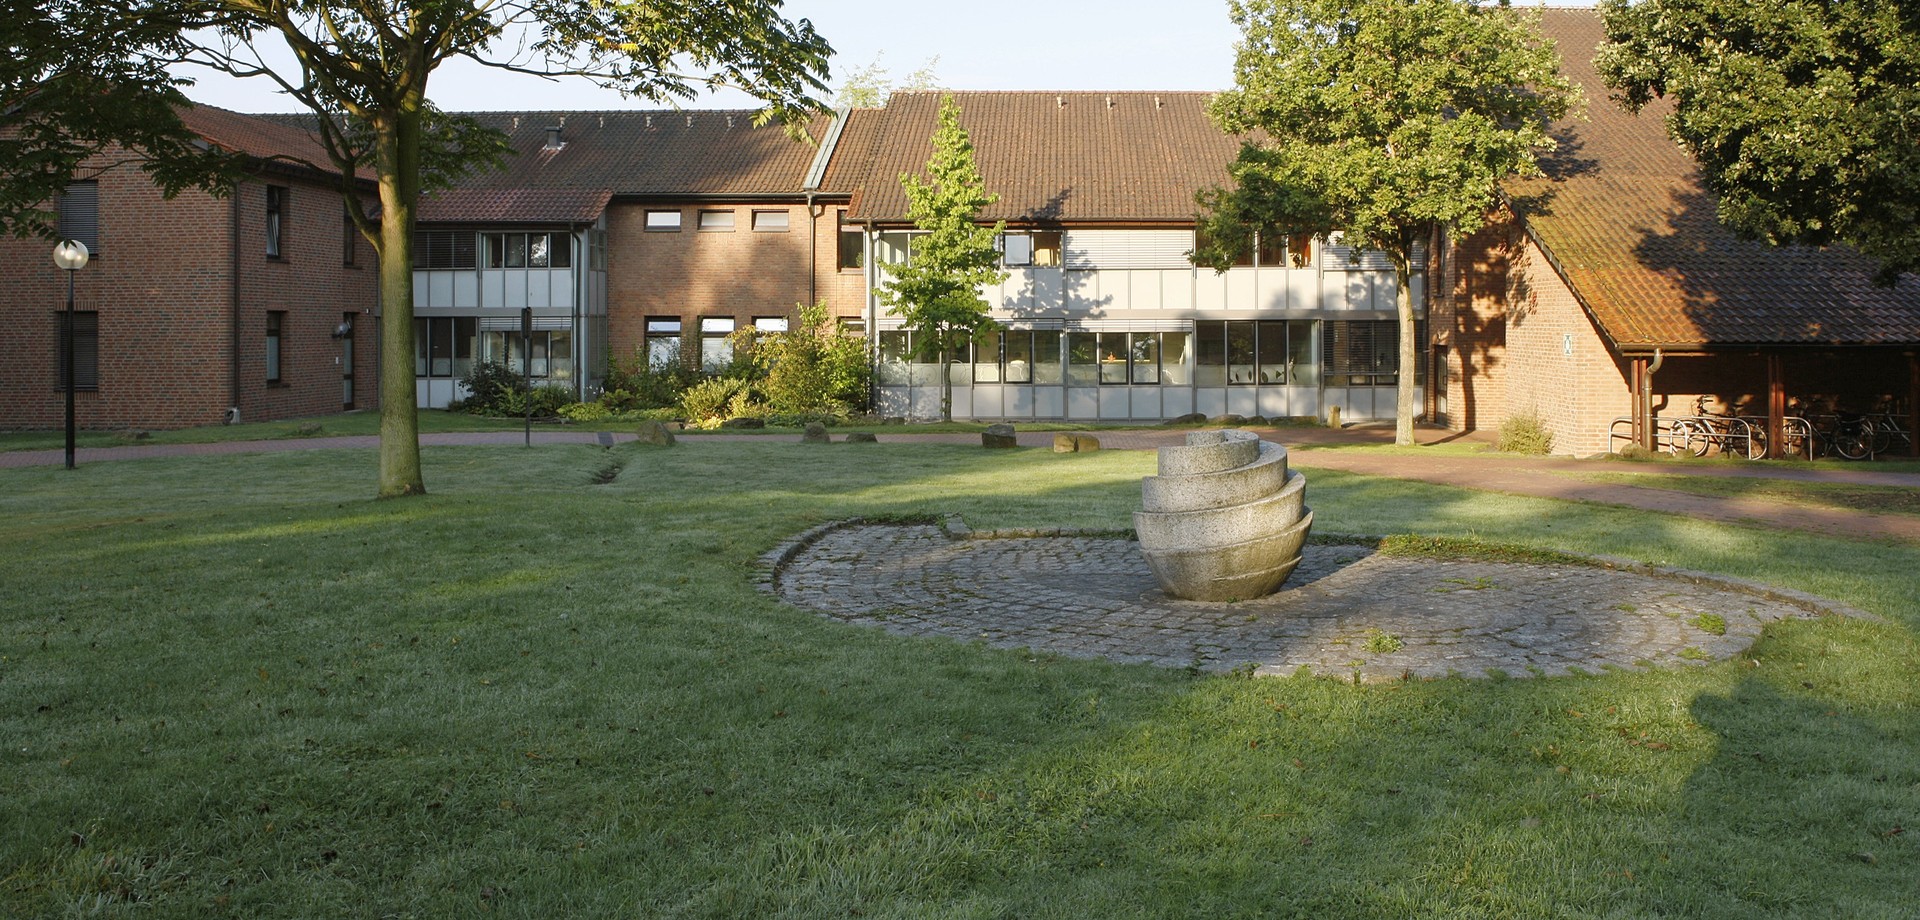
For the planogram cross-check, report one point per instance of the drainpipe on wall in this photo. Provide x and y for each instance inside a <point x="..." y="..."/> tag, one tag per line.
<point x="813" y="253"/>
<point x="582" y="267"/>
<point x="872" y="317"/>
<point x="1646" y="398"/>
<point x="233" y="357"/>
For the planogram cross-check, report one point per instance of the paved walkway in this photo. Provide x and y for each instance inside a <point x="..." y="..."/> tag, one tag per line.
<point x="1346" y="611"/>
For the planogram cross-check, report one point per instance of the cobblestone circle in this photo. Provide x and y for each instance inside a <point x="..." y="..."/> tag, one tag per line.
<point x="1347" y="611"/>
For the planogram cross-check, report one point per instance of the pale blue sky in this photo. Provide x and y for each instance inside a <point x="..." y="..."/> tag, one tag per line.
<point x="980" y="44"/>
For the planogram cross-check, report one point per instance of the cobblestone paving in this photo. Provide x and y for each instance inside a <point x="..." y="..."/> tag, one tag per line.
<point x="1086" y="596"/>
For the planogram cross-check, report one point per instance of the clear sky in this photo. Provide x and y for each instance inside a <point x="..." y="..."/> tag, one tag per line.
<point x="979" y="44"/>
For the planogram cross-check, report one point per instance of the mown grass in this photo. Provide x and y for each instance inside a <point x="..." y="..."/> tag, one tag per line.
<point x="236" y="687"/>
<point x="1842" y="496"/>
<point x="341" y="425"/>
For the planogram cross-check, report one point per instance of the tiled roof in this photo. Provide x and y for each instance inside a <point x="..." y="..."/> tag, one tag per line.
<point x="514" y="205"/>
<point x="1627" y="219"/>
<point x="663" y="154"/>
<point x="256" y="136"/>
<point x="1122" y="157"/>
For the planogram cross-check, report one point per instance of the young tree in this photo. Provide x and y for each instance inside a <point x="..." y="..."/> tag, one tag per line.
<point x="363" y="68"/>
<point x="1388" y="120"/>
<point x="937" y="291"/>
<point x="869" y="87"/>
<point x="80" y="78"/>
<point x="1803" y="114"/>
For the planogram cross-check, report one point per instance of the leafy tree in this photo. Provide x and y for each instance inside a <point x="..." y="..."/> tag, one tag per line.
<point x="1389" y="120"/>
<point x="937" y="291"/>
<point x="363" y="68"/>
<point x="81" y="78"/>
<point x="1803" y="114"/>
<point x="869" y="87"/>
<point x="812" y="368"/>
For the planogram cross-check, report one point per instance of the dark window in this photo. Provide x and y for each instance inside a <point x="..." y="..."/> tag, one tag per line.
<point x="276" y="323"/>
<point x="276" y="216"/>
<point x="529" y="250"/>
<point x="853" y="247"/>
<point x="1366" y="352"/>
<point x="443" y="345"/>
<point x="443" y="249"/>
<point x="349" y="234"/>
<point x="79" y="209"/>
<point x="86" y="350"/>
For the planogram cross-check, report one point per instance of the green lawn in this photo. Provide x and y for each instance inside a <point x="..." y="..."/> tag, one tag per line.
<point x="348" y="423"/>
<point x="1843" y="496"/>
<point x="237" y="687"/>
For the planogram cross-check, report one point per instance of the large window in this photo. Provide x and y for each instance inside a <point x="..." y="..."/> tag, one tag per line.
<point x="276" y="327"/>
<point x="1039" y="248"/>
<point x="443" y="346"/>
<point x="444" y="249"/>
<point x="663" y="341"/>
<point x="1246" y="353"/>
<point x="549" y="352"/>
<point x="895" y="355"/>
<point x="1366" y="352"/>
<point x="79" y="209"/>
<point x="276" y="218"/>
<point x="86" y="349"/>
<point x="529" y="250"/>
<point x="1083" y="359"/>
<point x="715" y="351"/>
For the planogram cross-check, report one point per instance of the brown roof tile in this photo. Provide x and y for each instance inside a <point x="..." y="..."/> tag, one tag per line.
<point x="1122" y="157"/>
<point x="256" y="136"/>
<point x="1626" y="217"/>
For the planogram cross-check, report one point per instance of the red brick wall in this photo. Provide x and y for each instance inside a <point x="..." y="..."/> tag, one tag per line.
<point x="162" y="285"/>
<point x="1472" y="324"/>
<point x="739" y="273"/>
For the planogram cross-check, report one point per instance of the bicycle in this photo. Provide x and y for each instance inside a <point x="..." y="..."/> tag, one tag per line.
<point x="1730" y="433"/>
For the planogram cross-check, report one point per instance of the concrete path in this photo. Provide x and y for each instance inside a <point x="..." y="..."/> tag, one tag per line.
<point x="1542" y="477"/>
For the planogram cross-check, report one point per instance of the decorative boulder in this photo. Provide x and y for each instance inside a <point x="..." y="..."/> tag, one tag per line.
<point x="815" y="433"/>
<point x="862" y="437"/>
<point x="1225" y="519"/>
<point x="1229" y="420"/>
<point x="1075" y="443"/>
<point x="998" y="436"/>
<point x="652" y="432"/>
<point x="1191" y="418"/>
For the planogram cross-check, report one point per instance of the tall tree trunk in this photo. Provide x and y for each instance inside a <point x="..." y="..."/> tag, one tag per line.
<point x="1404" y="409"/>
<point x="397" y="152"/>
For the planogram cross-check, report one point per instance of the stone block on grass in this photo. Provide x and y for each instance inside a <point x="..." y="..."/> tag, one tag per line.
<point x="862" y="437"/>
<point x="998" y="436"/>
<point x="815" y="433"/>
<point x="656" y="433"/>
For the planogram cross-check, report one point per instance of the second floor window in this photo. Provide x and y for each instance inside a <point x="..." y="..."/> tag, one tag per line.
<point x="443" y="249"/>
<point x="79" y="209"/>
<point x="276" y="218"/>
<point x="529" y="250"/>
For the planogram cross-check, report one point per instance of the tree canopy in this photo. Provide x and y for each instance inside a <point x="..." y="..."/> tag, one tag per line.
<point x="936" y="292"/>
<point x="1804" y="115"/>
<point x="363" y="68"/>
<point x="82" y="78"/>
<point x="1385" y="120"/>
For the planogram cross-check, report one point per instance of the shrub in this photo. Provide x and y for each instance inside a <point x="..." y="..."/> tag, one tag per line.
<point x="647" y="386"/>
<point x="490" y="386"/>
<point x="1524" y="434"/>
<point x="586" y="412"/>
<point x="811" y="369"/>
<point x="709" y="400"/>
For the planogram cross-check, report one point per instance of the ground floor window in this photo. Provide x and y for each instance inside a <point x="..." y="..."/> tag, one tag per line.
<point x="1249" y="352"/>
<point x="1367" y="352"/>
<point x="85" y="333"/>
<point x="715" y="351"/>
<point x="547" y="354"/>
<point x="663" y="341"/>
<point x="443" y="345"/>
<point x="276" y="325"/>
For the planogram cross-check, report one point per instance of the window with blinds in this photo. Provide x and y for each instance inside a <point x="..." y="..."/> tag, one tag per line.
<point x="86" y="350"/>
<point x="1366" y="352"/>
<point x="444" y="249"/>
<point x="79" y="210"/>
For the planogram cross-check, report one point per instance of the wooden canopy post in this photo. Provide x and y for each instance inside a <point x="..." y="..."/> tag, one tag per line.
<point x="1642" y="406"/>
<point x="1913" y="405"/>
<point x="1776" y="404"/>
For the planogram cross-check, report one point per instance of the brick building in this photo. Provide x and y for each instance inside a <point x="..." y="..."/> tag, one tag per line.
<point x="1608" y="300"/>
<point x="1604" y="292"/>
<point x="199" y="309"/>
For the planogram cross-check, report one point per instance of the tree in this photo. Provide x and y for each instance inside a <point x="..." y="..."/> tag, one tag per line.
<point x="869" y="87"/>
<point x="1804" y="115"/>
<point x="1388" y="120"/>
<point x="812" y="368"/>
<point x="363" y="68"/>
<point x="937" y="291"/>
<point x="79" y="79"/>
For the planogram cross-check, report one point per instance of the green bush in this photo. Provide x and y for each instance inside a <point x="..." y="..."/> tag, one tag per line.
<point x="706" y="403"/>
<point x="586" y="412"/>
<point x="491" y="386"/>
<point x="1524" y="434"/>
<point x="647" y="386"/>
<point x="811" y="369"/>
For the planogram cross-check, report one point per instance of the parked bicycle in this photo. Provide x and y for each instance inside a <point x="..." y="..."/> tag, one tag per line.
<point x="1733" y="435"/>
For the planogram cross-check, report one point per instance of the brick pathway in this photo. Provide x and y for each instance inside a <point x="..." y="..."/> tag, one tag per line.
<point x="1093" y="596"/>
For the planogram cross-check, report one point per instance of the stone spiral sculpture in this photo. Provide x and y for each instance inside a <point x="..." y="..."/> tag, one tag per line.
<point x="1225" y="519"/>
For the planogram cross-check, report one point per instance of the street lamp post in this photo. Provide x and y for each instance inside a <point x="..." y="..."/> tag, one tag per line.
<point x="71" y="256"/>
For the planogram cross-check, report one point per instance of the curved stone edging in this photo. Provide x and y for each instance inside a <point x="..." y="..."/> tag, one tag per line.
<point x="1080" y="594"/>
